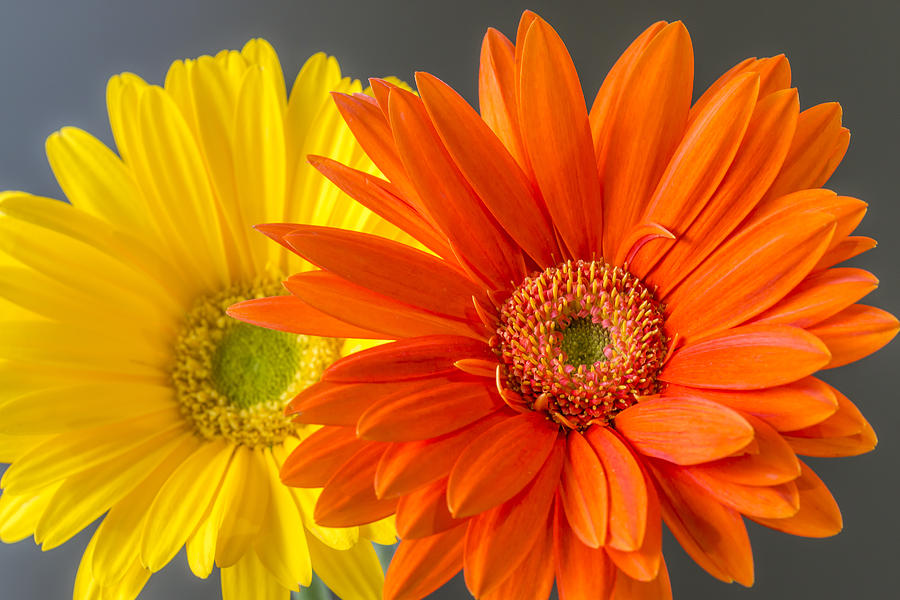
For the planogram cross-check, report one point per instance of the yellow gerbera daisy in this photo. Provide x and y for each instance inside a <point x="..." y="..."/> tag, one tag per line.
<point x="125" y="388"/>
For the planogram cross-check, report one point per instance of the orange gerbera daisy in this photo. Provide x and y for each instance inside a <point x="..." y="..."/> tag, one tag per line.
<point x="618" y="326"/>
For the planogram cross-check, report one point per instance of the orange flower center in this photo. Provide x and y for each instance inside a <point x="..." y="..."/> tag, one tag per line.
<point x="581" y="341"/>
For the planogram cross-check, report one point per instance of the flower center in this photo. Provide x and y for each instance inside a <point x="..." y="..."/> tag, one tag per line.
<point x="581" y="341"/>
<point x="233" y="379"/>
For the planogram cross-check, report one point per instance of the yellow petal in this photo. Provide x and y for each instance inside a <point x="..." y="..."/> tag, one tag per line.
<point x="259" y="155"/>
<point x="96" y="181"/>
<point x="122" y="93"/>
<point x="14" y="446"/>
<point x="73" y="452"/>
<point x="353" y="574"/>
<point x="82" y="252"/>
<point x="60" y="409"/>
<point x="249" y="579"/>
<point x="247" y="487"/>
<point x="260" y="53"/>
<point x="310" y="92"/>
<point x="280" y="545"/>
<point x="88" y="587"/>
<point x="382" y="532"/>
<point x="21" y="377"/>
<point x="171" y="174"/>
<point x="38" y="295"/>
<point x="124" y="522"/>
<point x="82" y="498"/>
<point x="201" y="548"/>
<point x="181" y="503"/>
<point x="178" y="87"/>
<point x="311" y="200"/>
<point x="215" y="97"/>
<point x="82" y="345"/>
<point x="19" y="515"/>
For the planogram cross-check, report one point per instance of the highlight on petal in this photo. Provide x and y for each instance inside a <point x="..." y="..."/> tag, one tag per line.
<point x="628" y="495"/>
<point x="855" y="333"/>
<point x="557" y="135"/>
<point x="583" y="492"/>
<point x="746" y="358"/>
<point x="685" y="431"/>
<point x="649" y="122"/>
<point x="499" y="463"/>
<point x="818" y="516"/>
<point x="712" y="534"/>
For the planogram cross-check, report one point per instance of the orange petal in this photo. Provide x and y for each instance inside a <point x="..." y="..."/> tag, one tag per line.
<point x="583" y="491"/>
<point x="371" y="129"/>
<point x="315" y="460"/>
<point x="386" y="267"/>
<point x="628" y="495"/>
<point x="819" y="296"/>
<point x="819" y="134"/>
<point x="749" y="273"/>
<point x="557" y="136"/>
<point x="698" y="165"/>
<point x="845" y="250"/>
<point x="643" y="564"/>
<point x="606" y="103"/>
<point x="649" y="123"/>
<point x="712" y="534"/>
<point x="407" y="466"/>
<point x="846" y="211"/>
<point x="847" y="420"/>
<point x="490" y="169"/>
<point x="473" y="233"/>
<point x="786" y="407"/>
<point x="429" y="412"/>
<point x="745" y="66"/>
<point x="753" y="169"/>
<point x="774" y="502"/>
<point x="498" y="540"/>
<point x="413" y="358"/>
<point x="291" y="314"/>
<point x="358" y="306"/>
<point x="627" y="588"/>
<point x="327" y="403"/>
<point x="855" y="332"/>
<point x="533" y="578"/>
<point x="774" y="76"/>
<point x="419" y="567"/>
<point x="582" y="573"/>
<point x="349" y="498"/>
<point x="819" y="515"/>
<point x="774" y="462"/>
<point x="480" y="367"/>
<point x="499" y="463"/>
<point x="851" y="445"/>
<point x="845" y="433"/>
<point x="372" y="193"/>
<point x="497" y="93"/>
<point x="685" y="431"/>
<point x="746" y="358"/>
<point x="424" y="512"/>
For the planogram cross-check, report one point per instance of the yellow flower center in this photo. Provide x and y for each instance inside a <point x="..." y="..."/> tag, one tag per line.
<point x="233" y="379"/>
<point x="581" y="341"/>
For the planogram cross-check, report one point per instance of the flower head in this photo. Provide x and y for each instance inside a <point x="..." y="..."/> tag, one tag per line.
<point x="127" y="390"/>
<point x="617" y="325"/>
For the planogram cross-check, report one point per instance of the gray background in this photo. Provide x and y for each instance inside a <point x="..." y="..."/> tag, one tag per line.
<point x="55" y="58"/>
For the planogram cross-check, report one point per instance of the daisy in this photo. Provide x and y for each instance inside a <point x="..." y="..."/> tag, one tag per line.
<point x="127" y="391"/>
<point x="619" y="324"/>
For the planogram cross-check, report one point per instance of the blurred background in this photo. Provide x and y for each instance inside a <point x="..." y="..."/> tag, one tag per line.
<point x="55" y="58"/>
